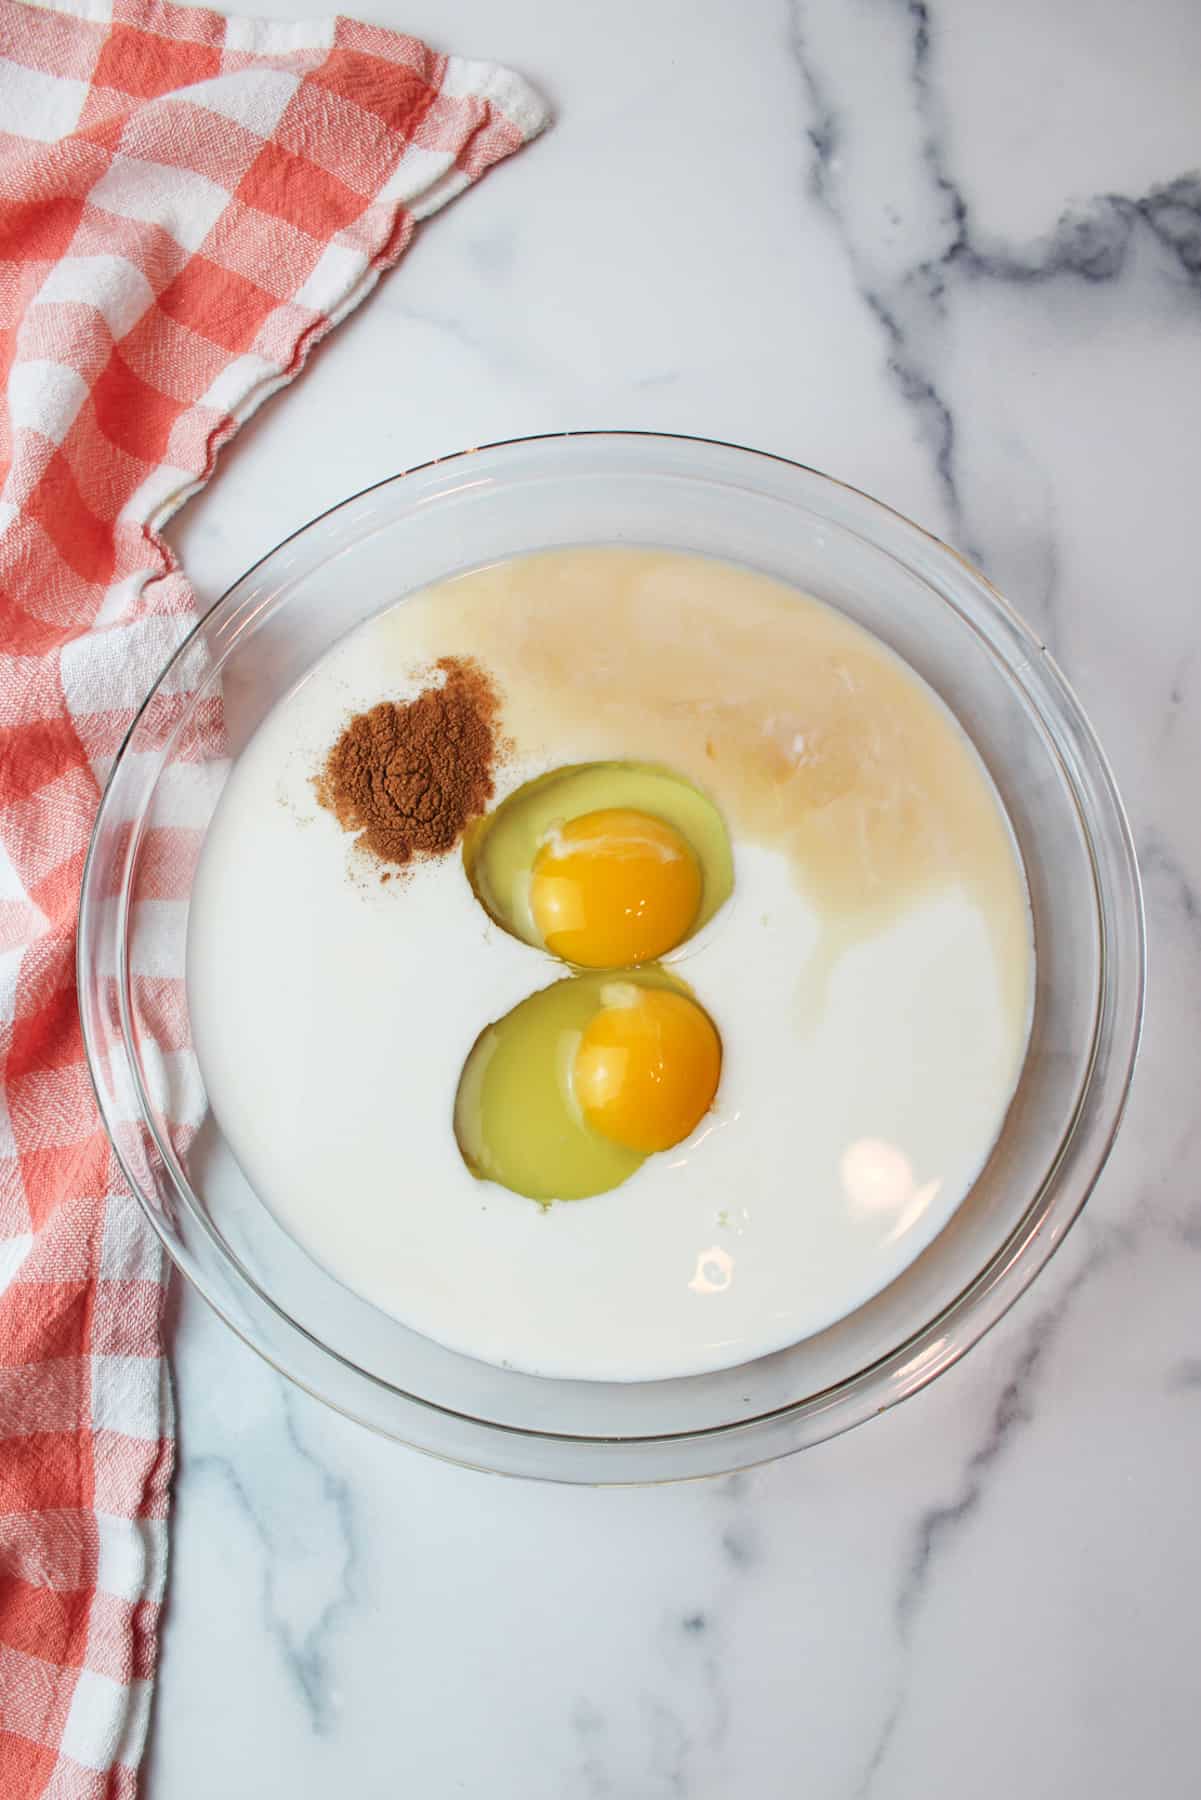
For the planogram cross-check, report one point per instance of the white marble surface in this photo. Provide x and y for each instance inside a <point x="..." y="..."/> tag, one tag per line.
<point x="954" y="256"/>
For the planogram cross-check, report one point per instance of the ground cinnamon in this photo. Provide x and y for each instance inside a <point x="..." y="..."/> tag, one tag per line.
<point x="408" y="776"/>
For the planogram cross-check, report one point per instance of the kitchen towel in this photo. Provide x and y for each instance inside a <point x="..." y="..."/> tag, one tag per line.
<point x="188" y="203"/>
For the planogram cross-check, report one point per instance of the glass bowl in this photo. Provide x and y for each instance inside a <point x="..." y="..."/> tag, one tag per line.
<point x="689" y="494"/>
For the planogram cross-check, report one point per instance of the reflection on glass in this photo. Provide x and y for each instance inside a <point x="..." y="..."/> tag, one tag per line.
<point x="714" y="1271"/>
<point x="878" y="1181"/>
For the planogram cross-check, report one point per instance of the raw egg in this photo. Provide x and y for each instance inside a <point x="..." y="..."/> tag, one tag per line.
<point x="647" y="1067"/>
<point x="614" y="888"/>
<point x="568" y="1093"/>
<point x="606" y="865"/>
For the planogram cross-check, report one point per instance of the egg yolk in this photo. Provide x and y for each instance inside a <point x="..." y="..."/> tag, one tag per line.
<point x="647" y="1068"/>
<point x="614" y="888"/>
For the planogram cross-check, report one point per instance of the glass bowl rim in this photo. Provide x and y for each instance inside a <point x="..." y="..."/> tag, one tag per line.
<point x="1013" y="1265"/>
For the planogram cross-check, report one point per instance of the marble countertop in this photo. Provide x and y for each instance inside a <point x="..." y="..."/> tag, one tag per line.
<point x="951" y="253"/>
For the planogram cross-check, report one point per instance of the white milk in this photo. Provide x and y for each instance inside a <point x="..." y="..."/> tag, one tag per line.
<point x="866" y="1075"/>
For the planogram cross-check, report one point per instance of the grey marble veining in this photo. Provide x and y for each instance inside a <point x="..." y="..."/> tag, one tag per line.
<point x="952" y="253"/>
<point x="916" y="244"/>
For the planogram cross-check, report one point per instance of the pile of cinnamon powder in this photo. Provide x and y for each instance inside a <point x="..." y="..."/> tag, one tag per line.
<point x="407" y="777"/>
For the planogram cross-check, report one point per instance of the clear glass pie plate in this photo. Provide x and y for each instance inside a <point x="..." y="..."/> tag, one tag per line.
<point x="824" y="538"/>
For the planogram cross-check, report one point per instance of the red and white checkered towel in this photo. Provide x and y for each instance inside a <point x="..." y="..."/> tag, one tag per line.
<point x="187" y="203"/>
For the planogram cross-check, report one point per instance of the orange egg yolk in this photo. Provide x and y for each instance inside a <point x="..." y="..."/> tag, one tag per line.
<point x="614" y="888"/>
<point x="647" y="1068"/>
